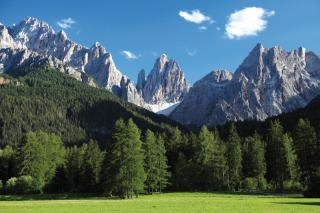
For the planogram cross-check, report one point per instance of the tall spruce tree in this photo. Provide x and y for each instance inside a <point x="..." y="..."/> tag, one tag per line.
<point x="206" y="146"/>
<point x="234" y="158"/>
<point x="253" y="162"/>
<point x="204" y="153"/>
<point x="162" y="163"/>
<point x="73" y="166"/>
<point x="91" y="167"/>
<point x="125" y="171"/>
<point x="150" y="161"/>
<point x="114" y="162"/>
<point x="281" y="159"/>
<point x="210" y="155"/>
<point x="136" y="171"/>
<point x="219" y="163"/>
<point x="305" y="143"/>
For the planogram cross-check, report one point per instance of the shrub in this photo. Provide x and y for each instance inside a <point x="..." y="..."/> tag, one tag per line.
<point x="21" y="185"/>
<point x="262" y="184"/>
<point x="11" y="185"/>
<point x="250" y="184"/>
<point x="26" y="185"/>
<point x="292" y="185"/>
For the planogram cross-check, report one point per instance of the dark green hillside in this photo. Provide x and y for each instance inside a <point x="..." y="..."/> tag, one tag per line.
<point x="44" y="99"/>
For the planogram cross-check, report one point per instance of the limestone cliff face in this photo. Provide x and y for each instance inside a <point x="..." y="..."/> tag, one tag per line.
<point x="165" y="85"/>
<point x="141" y="80"/>
<point x="267" y="83"/>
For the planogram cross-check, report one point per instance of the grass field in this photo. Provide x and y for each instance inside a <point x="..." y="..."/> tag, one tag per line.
<point x="169" y="202"/>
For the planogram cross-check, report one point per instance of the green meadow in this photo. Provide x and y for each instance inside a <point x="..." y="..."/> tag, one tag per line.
<point x="164" y="203"/>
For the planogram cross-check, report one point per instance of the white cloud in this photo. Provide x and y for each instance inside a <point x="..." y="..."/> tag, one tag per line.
<point x="129" y="55"/>
<point x="247" y="22"/>
<point x="191" y="52"/>
<point x="195" y="16"/>
<point x="218" y="28"/>
<point x="66" y="23"/>
<point x="202" y="28"/>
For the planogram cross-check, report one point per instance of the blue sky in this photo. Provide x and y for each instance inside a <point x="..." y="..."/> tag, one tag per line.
<point x="148" y="28"/>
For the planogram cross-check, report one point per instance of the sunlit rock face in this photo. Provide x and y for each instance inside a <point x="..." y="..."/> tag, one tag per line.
<point x="34" y="42"/>
<point x="270" y="81"/>
<point x="165" y="85"/>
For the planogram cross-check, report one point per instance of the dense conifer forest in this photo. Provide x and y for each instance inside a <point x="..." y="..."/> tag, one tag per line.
<point x="58" y="135"/>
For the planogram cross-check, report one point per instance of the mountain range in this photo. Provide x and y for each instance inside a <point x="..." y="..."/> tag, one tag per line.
<point x="269" y="81"/>
<point x="33" y="42"/>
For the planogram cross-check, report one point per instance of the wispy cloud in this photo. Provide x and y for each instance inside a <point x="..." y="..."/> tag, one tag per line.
<point x="218" y="28"/>
<point x="191" y="52"/>
<point x="202" y="28"/>
<point x="66" y="23"/>
<point x="212" y="21"/>
<point x="247" y="22"/>
<point x="195" y="16"/>
<point x="129" y="55"/>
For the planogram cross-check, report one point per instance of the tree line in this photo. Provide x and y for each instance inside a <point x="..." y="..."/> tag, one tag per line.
<point x="127" y="167"/>
<point x="135" y="162"/>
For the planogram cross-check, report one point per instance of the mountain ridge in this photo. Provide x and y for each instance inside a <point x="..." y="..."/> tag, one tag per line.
<point x="33" y="38"/>
<point x="268" y="82"/>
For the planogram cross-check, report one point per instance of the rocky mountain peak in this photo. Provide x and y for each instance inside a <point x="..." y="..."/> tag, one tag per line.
<point x="141" y="80"/>
<point x="258" y="48"/>
<point x="218" y="76"/>
<point x="30" y="31"/>
<point x="98" y="50"/>
<point x="6" y="41"/>
<point x="42" y="45"/>
<point x="30" y="26"/>
<point x="161" y="62"/>
<point x="62" y="36"/>
<point x="270" y="81"/>
<point x="165" y="83"/>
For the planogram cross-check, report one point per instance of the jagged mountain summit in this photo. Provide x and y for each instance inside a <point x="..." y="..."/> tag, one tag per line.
<point x="34" y="42"/>
<point x="270" y="81"/>
<point x="164" y="87"/>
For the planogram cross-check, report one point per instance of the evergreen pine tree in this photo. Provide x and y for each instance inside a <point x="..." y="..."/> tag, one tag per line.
<point x="211" y="160"/>
<point x="281" y="159"/>
<point x="162" y="163"/>
<point x="136" y="171"/>
<point x="91" y="168"/>
<point x="125" y="169"/>
<point x="150" y="161"/>
<point x="73" y="166"/>
<point x="253" y="162"/>
<point x="305" y="143"/>
<point x="206" y="146"/>
<point x="219" y="163"/>
<point x="234" y="158"/>
<point x="115" y="166"/>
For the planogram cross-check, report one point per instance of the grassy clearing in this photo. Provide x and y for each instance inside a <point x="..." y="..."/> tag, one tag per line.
<point x="169" y="202"/>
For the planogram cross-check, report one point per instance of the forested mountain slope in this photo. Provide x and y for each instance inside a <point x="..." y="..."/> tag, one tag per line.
<point x="44" y="99"/>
